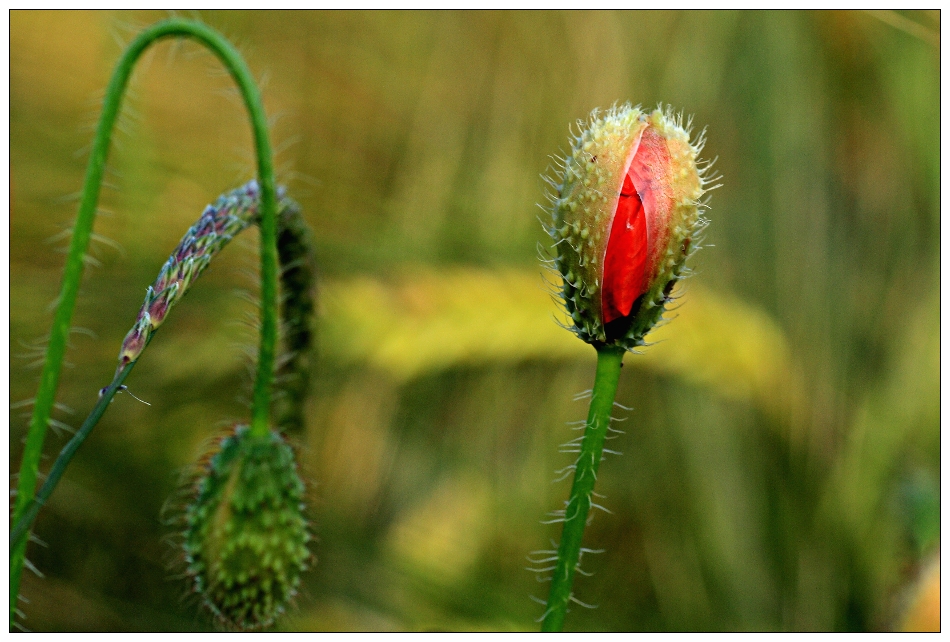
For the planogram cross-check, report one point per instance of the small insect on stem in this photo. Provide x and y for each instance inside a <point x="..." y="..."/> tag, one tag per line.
<point x="123" y="388"/>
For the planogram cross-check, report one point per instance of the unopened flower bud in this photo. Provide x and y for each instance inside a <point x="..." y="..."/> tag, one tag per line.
<point x="625" y="218"/>
<point x="245" y="532"/>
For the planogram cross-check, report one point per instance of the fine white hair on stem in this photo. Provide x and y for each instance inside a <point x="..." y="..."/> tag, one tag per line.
<point x="598" y="506"/>
<point x="564" y="475"/>
<point x="28" y="564"/>
<point x="583" y="604"/>
<point x="546" y="569"/>
<point x="60" y="427"/>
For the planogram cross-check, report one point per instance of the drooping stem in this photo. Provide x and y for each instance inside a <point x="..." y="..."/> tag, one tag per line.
<point x="82" y="231"/>
<point x="609" y="361"/>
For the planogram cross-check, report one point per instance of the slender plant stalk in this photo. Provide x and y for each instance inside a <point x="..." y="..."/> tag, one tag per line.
<point x="22" y="525"/>
<point x="82" y="231"/>
<point x="609" y="361"/>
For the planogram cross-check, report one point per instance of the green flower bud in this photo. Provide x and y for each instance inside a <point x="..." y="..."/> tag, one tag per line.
<point x="246" y="536"/>
<point x="625" y="218"/>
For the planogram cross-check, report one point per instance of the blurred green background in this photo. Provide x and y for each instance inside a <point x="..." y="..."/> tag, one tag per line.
<point x="781" y="461"/>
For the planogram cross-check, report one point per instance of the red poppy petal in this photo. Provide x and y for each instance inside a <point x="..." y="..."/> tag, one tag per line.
<point x="625" y="264"/>
<point x="651" y="173"/>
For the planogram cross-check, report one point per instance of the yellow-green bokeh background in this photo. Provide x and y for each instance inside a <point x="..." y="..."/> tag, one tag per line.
<point x="781" y="461"/>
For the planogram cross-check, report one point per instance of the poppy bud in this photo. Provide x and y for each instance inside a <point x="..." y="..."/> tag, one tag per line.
<point x="246" y="535"/>
<point x="625" y="218"/>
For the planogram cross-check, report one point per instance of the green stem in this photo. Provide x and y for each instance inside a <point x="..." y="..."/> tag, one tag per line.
<point x="609" y="361"/>
<point x="82" y="231"/>
<point x="21" y="527"/>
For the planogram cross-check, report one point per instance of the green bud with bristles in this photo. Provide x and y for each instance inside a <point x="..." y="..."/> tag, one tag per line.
<point x="246" y="534"/>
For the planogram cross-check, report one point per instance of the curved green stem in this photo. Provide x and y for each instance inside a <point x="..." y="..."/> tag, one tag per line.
<point x="82" y="231"/>
<point x="609" y="360"/>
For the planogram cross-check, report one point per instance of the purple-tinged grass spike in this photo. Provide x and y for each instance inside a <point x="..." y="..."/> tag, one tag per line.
<point x="228" y="216"/>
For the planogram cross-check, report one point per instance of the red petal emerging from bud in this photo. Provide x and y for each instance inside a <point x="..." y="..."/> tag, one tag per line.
<point x="652" y="175"/>
<point x="640" y="229"/>
<point x="625" y="265"/>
